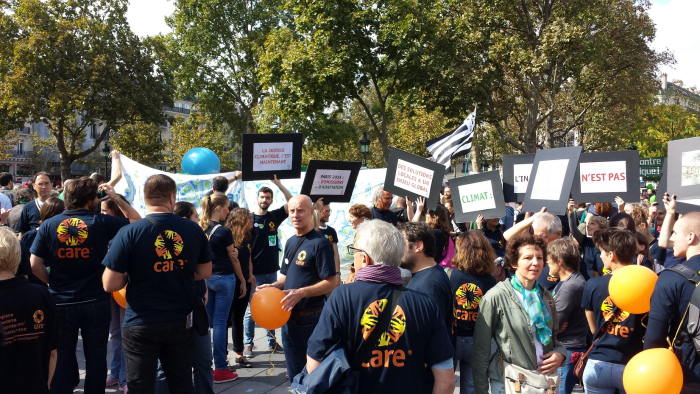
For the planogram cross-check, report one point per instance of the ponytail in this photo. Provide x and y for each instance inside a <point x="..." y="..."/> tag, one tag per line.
<point x="209" y="203"/>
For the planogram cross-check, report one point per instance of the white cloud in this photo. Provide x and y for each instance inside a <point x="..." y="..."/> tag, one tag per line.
<point x="675" y="30"/>
<point x="147" y="17"/>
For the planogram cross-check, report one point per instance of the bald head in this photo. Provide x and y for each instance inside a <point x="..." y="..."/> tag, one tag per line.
<point x="301" y="212"/>
<point x="686" y="235"/>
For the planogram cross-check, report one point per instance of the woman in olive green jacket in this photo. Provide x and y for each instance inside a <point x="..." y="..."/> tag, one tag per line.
<point x="520" y="317"/>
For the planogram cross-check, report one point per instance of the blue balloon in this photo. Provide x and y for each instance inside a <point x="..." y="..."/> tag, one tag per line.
<point x="200" y="161"/>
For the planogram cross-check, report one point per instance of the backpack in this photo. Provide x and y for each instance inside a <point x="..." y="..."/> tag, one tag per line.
<point x="691" y="331"/>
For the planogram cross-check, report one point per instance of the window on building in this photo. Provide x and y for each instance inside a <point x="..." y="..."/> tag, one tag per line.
<point x="4" y="168"/>
<point x="93" y="131"/>
<point x="20" y="147"/>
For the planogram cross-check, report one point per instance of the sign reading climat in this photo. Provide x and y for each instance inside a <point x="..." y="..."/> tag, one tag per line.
<point x="477" y="196"/>
<point x="603" y="177"/>
<point x="413" y="178"/>
<point x="330" y="182"/>
<point x="272" y="156"/>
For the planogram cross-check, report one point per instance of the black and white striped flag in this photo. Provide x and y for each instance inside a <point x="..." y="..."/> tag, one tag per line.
<point x="457" y="142"/>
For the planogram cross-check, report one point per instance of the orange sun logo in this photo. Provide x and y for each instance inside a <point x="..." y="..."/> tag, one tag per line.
<point x="467" y="291"/>
<point x="397" y="326"/>
<point x="72" y="232"/>
<point x="607" y="309"/>
<point x="38" y="316"/>
<point x="162" y="248"/>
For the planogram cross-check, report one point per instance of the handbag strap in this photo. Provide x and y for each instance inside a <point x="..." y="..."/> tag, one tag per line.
<point x="165" y="239"/>
<point x="602" y="330"/>
<point x="382" y="324"/>
<point x="301" y="241"/>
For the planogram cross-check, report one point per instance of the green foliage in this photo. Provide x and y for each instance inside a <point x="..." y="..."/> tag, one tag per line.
<point x="198" y="130"/>
<point x="662" y="123"/>
<point x="141" y="142"/>
<point x="76" y="63"/>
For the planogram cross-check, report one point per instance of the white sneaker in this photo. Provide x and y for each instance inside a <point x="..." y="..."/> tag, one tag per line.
<point x="247" y="352"/>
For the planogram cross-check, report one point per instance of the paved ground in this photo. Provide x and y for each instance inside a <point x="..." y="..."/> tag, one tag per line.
<point x="261" y="378"/>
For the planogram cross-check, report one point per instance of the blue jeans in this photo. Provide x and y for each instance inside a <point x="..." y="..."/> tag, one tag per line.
<point x="118" y="365"/>
<point x="602" y="377"/>
<point x="92" y="320"/>
<point x="220" y="298"/>
<point x="248" y="323"/>
<point x="497" y="387"/>
<point x="463" y="356"/>
<point x="295" y="336"/>
<point x="566" y="373"/>
<point x="201" y="363"/>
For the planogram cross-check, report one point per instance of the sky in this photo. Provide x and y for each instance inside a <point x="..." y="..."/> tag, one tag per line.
<point x="674" y="21"/>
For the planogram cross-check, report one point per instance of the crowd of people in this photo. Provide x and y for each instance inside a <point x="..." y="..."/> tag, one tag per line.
<point x="503" y="301"/>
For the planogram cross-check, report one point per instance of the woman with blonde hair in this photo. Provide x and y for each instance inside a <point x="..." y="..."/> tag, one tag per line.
<point x="240" y="222"/>
<point x="470" y="280"/>
<point x="226" y="275"/>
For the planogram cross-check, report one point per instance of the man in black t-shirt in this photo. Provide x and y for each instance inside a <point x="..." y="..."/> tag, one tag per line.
<point x="427" y="277"/>
<point x="162" y="261"/>
<point x="382" y="204"/>
<point x="73" y="245"/>
<point x="265" y="253"/>
<point x="220" y="184"/>
<point x="328" y="232"/>
<point x="673" y="291"/>
<point x="28" y="326"/>
<point x="308" y="273"/>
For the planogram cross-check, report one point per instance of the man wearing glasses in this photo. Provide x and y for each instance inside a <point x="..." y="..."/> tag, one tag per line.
<point x="29" y="218"/>
<point x="307" y="274"/>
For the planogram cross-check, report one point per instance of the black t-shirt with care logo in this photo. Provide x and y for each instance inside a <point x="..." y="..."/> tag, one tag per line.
<point x="415" y="337"/>
<point x="468" y="290"/>
<point x="330" y="234"/>
<point x="265" y="243"/>
<point x="160" y="271"/>
<point x="312" y="262"/>
<point x="624" y="339"/>
<point x="73" y="245"/>
<point x="28" y="320"/>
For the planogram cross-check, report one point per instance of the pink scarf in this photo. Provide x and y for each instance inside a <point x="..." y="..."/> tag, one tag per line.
<point x="380" y="273"/>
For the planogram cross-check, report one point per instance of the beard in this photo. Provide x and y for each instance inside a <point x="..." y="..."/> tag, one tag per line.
<point x="408" y="262"/>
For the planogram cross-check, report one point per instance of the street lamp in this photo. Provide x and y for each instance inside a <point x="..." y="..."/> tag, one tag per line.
<point x="484" y="166"/>
<point x="106" y="149"/>
<point x="364" y="148"/>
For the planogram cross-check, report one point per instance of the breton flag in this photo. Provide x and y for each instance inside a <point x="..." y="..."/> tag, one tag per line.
<point x="457" y="142"/>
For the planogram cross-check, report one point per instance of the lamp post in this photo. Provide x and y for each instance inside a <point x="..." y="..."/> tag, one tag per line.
<point x="364" y="148"/>
<point x="106" y="149"/>
<point x="484" y="166"/>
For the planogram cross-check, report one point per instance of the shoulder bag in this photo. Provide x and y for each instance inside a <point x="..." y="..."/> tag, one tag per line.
<point x="581" y="363"/>
<point x="336" y="374"/>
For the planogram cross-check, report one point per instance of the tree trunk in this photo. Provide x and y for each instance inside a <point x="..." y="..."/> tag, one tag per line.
<point x="532" y="113"/>
<point x="65" y="168"/>
<point x="250" y="123"/>
<point x="475" y="154"/>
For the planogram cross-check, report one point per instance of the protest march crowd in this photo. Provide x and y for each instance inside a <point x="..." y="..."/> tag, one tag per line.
<point x="515" y="304"/>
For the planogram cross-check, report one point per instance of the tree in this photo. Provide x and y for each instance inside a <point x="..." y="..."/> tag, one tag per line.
<point x="200" y="130"/>
<point x="332" y="52"/>
<point x="215" y="45"/>
<point x="76" y="63"/>
<point x="662" y="123"/>
<point x="542" y="69"/>
<point x="140" y="141"/>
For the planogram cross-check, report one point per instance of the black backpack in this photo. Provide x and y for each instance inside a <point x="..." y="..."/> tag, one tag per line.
<point x="691" y="333"/>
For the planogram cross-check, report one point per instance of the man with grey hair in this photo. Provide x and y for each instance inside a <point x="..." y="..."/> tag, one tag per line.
<point x="308" y="273"/>
<point x="415" y="337"/>
<point x="382" y="205"/>
<point x="543" y="225"/>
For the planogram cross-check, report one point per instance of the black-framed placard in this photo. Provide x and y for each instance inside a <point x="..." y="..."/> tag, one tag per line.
<point x="683" y="178"/>
<point x="267" y="155"/>
<point x="682" y="205"/>
<point x="551" y="178"/>
<point x="663" y="184"/>
<point x="478" y="194"/>
<point x="602" y="176"/>
<point x="516" y="174"/>
<point x="408" y="175"/>
<point x="331" y="180"/>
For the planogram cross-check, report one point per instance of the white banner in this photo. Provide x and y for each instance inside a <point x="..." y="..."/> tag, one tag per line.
<point x="192" y="188"/>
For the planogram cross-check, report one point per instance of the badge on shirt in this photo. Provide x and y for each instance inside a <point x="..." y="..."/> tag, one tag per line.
<point x="272" y="240"/>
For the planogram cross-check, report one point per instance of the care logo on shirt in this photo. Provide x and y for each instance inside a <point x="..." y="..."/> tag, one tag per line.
<point x="38" y="319"/>
<point x="301" y="257"/>
<point x="615" y="328"/>
<point x="272" y="226"/>
<point x="169" y="247"/>
<point x="72" y="232"/>
<point x="397" y="327"/>
<point x="330" y="237"/>
<point x="468" y="297"/>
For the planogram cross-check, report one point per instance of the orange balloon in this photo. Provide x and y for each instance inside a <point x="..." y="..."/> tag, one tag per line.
<point x="266" y="309"/>
<point x="631" y="287"/>
<point x="653" y="371"/>
<point x="120" y="297"/>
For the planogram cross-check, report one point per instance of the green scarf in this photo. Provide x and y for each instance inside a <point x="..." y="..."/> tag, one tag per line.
<point x="534" y="307"/>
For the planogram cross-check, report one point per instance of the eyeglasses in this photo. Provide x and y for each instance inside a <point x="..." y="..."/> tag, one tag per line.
<point x="352" y="250"/>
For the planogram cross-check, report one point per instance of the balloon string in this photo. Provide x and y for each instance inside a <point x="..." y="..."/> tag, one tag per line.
<point x="269" y="371"/>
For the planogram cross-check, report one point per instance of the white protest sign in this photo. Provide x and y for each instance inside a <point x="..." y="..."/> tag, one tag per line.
<point x="549" y="180"/>
<point x="477" y="196"/>
<point x="272" y="156"/>
<point x="333" y="182"/>
<point x="521" y="177"/>
<point x="603" y="177"/>
<point x="413" y="178"/>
